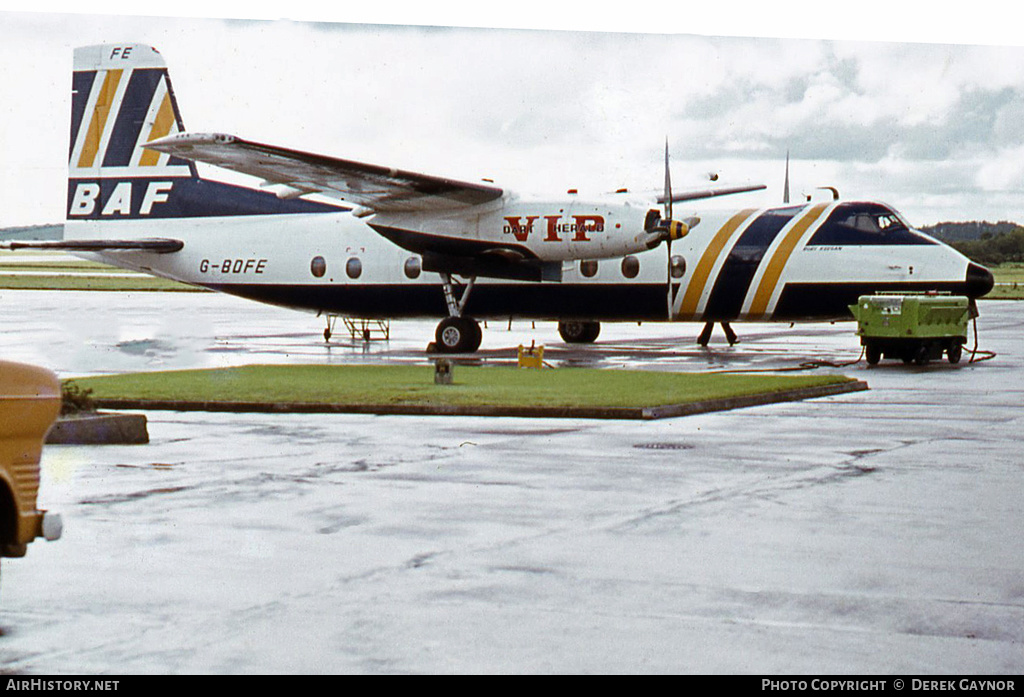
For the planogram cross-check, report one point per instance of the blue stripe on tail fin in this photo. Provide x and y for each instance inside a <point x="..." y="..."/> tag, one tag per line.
<point x="121" y="99"/>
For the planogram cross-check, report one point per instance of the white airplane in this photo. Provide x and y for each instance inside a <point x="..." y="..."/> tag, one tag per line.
<point x="396" y="242"/>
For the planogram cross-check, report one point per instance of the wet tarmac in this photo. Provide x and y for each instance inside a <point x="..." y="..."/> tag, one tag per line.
<point x="876" y="532"/>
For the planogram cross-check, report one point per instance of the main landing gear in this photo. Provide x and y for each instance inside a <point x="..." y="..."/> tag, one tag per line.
<point x="577" y="332"/>
<point x="455" y="333"/>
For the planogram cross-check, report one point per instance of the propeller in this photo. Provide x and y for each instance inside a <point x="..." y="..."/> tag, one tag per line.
<point x="668" y="229"/>
<point x="660" y="227"/>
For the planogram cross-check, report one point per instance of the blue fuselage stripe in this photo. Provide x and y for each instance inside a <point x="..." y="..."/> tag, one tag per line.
<point x="738" y="271"/>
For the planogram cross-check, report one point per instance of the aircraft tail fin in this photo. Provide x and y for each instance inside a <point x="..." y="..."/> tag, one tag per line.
<point x="122" y="98"/>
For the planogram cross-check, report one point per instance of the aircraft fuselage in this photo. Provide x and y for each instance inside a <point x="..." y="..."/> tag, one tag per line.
<point x="783" y="264"/>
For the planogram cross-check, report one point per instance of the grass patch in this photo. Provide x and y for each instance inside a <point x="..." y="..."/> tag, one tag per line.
<point x="98" y="282"/>
<point x="1009" y="272"/>
<point x="1009" y="281"/>
<point x="50" y="271"/>
<point x="414" y="385"/>
<point x="78" y="265"/>
<point x="1012" y="291"/>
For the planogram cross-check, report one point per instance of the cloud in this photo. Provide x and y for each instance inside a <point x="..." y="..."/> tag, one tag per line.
<point x="546" y="110"/>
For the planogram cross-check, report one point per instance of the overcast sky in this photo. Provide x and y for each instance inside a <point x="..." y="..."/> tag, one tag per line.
<point x="935" y="129"/>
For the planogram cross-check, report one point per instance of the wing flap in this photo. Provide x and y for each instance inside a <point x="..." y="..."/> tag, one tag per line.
<point x="373" y="186"/>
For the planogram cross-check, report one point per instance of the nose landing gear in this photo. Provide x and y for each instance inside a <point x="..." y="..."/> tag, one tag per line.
<point x="705" y="335"/>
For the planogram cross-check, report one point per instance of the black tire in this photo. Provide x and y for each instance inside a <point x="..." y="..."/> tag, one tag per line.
<point x="954" y="352"/>
<point x="578" y="332"/>
<point x="458" y="335"/>
<point x="923" y="355"/>
<point x="873" y="354"/>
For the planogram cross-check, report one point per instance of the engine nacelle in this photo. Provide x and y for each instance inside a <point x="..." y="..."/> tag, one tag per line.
<point x="658" y="229"/>
<point x="530" y="230"/>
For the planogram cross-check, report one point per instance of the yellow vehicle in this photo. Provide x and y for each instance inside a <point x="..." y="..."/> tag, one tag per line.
<point x="29" y="403"/>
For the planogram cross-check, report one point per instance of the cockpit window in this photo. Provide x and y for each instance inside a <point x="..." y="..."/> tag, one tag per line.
<point x="864" y="224"/>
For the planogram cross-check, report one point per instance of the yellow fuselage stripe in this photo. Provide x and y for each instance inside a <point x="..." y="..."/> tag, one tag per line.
<point x="99" y="118"/>
<point x="695" y="289"/>
<point x="161" y="127"/>
<point x="770" y="279"/>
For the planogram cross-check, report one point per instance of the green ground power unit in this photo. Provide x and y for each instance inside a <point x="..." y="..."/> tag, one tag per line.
<point x="914" y="327"/>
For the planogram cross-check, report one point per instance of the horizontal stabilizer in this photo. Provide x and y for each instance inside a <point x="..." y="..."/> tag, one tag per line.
<point x="156" y="246"/>
<point x="710" y="193"/>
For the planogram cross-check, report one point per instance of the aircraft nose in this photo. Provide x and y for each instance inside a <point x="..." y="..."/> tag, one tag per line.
<point x="979" y="281"/>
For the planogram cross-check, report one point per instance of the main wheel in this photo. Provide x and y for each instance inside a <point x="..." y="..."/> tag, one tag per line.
<point x="873" y="354"/>
<point x="923" y="355"/>
<point x="458" y="335"/>
<point x="577" y="332"/>
<point x="954" y="352"/>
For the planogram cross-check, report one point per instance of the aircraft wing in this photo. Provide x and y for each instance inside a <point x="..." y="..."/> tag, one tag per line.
<point x="375" y="187"/>
<point x="156" y="246"/>
<point x="698" y="194"/>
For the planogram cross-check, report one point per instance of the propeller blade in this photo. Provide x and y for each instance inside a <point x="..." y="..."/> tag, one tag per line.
<point x="785" y="188"/>
<point x="668" y="186"/>
<point x="668" y="277"/>
<point x="668" y="237"/>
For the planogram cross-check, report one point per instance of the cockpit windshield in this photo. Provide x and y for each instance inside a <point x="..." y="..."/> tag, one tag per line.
<point x="865" y="224"/>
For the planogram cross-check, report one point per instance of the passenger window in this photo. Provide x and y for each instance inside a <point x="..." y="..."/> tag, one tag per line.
<point x="677" y="266"/>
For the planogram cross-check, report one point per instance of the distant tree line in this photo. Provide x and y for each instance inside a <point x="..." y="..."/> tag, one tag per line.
<point x="994" y="250"/>
<point x="984" y="242"/>
<point x="970" y="230"/>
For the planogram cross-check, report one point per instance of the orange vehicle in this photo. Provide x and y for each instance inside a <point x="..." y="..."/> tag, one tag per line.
<point x="30" y="400"/>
